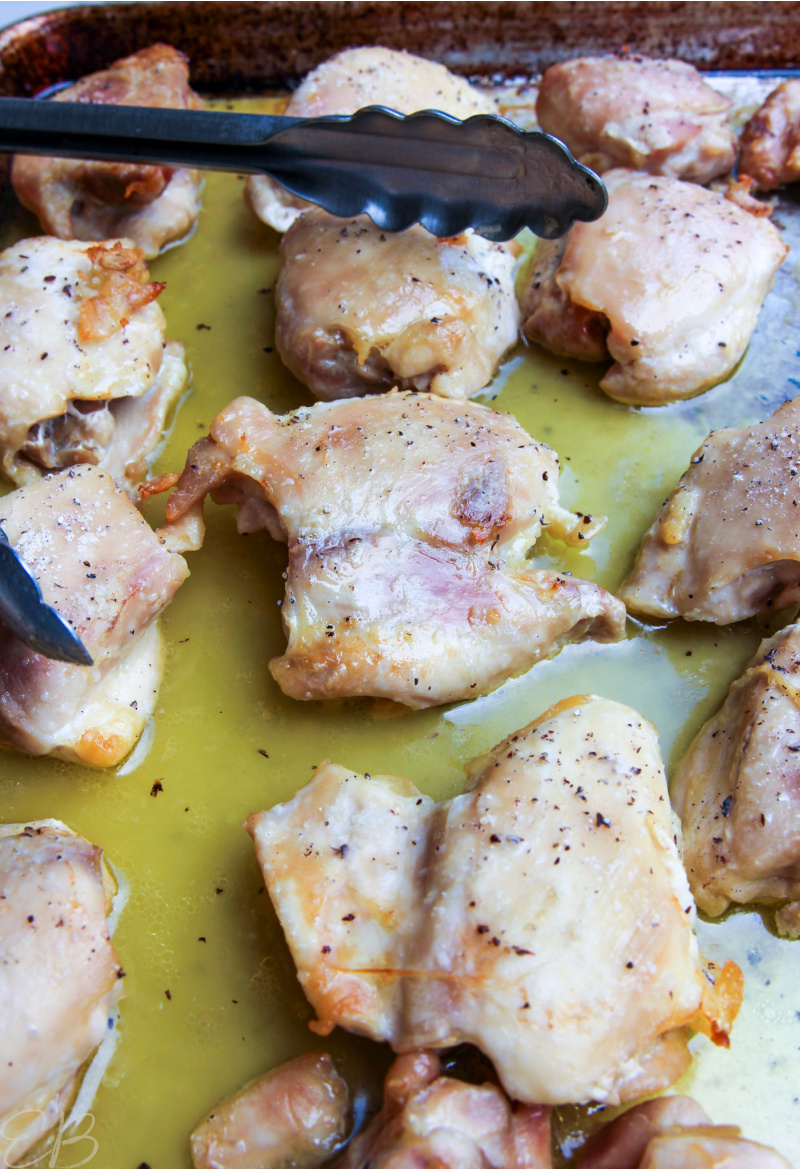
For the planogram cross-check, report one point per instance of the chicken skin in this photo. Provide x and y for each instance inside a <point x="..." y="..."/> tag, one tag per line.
<point x="152" y="205"/>
<point x="544" y="915"/>
<point x="668" y="283"/>
<point x="770" y="142"/>
<point x="673" y="1133"/>
<point x="360" y="310"/>
<point x="295" y="1115"/>
<point x="87" y="376"/>
<point x="726" y="544"/>
<point x="408" y="519"/>
<point x="656" y="116"/>
<point x="735" y="789"/>
<point x="362" y="77"/>
<point x="431" y="1121"/>
<point x="101" y="566"/>
<point x="59" y="975"/>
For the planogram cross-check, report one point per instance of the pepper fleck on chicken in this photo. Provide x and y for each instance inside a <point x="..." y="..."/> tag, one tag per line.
<point x="668" y="283"/>
<point x="544" y="915"/>
<point x="409" y="519"/>
<point x="87" y="375"/>
<point x="101" y="566"/>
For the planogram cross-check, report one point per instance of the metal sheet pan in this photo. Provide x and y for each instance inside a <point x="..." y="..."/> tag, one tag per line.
<point x="225" y="741"/>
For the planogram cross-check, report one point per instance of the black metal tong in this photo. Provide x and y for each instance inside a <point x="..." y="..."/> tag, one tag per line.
<point x="428" y="168"/>
<point x="425" y="168"/>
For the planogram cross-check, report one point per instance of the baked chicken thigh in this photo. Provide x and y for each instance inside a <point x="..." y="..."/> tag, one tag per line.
<point x="408" y="519"/>
<point x="152" y="205"/>
<point x="656" y="116"/>
<point x="360" y="310"/>
<point x="429" y="1119"/>
<point x="59" y="975"/>
<point x="673" y="1133"/>
<point x="544" y="915"/>
<point x="295" y="1115"/>
<point x="362" y="77"/>
<point x="736" y="790"/>
<point x="770" y="142"/>
<point x="726" y="544"/>
<point x="109" y="575"/>
<point x="668" y="283"/>
<point x="86" y="376"/>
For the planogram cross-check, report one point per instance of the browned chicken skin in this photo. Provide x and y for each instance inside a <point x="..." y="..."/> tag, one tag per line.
<point x="770" y="142"/>
<point x="736" y="789"/>
<point x="360" y="309"/>
<point x="656" y="116"/>
<point x="668" y="283"/>
<point x="87" y="375"/>
<point x="726" y="544"/>
<point x="409" y="518"/>
<point x="152" y="205"/>
<point x="544" y="915"/>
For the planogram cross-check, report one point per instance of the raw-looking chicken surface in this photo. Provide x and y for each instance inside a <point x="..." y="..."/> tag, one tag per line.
<point x="362" y="77"/>
<point x="295" y="1115"/>
<point x="86" y="375"/>
<point x="152" y="205"/>
<point x="431" y="1121"/>
<point x="360" y="309"/>
<point x="770" y="142"/>
<point x="668" y="283"/>
<point x="726" y="544"/>
<point x="714" y="1147"/>
<point x="408" y="519"/>
<point x="544" y="915"/>
<point x="59" y="975"/>
<point x="673" y="1132"/>
<point x="736" y="790"/>
<point x="109" y="575"/>
<point x="656" y="116"/>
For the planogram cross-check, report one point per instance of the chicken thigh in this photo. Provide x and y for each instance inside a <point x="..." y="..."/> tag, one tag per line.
<point x="152" y="205"/>
<point x="360" y="310"/>
<point x="59" y="975"/>
<point x="770" y="142"/>
<point x="736" y="790"/>
<point x="431" y="1121"/>
<point x="362" y="77"/>
<point x="544" y="915"/>
<point x="673" y="1133"/>
<point x="295" y="1115"/>
<point x="101" y="566"/>
<point x="668" y="283"/>
<point x="87" y="376"/>
<point x="408" y="519"/>
<point x="656" y="116"/>
<point x="713" y="1147"/>
<point x="726" y="544"/>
